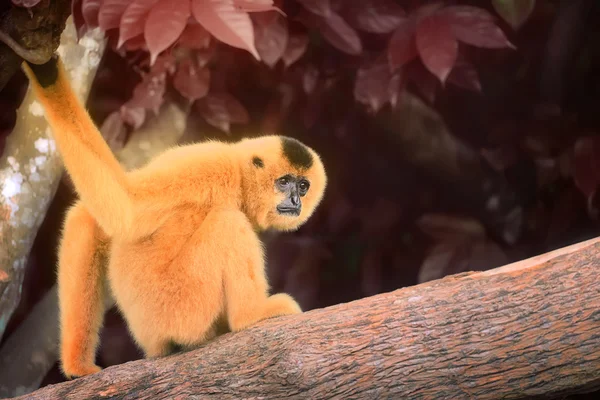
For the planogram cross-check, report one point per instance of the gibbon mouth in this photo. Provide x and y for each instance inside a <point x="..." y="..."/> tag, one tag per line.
<point x="295" y="211"/>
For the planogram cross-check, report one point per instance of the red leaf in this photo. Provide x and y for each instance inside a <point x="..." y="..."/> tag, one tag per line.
<point x="271" y="37"/>
<point x="374" y="86"/>
<point x="402" y="47"/>
<point x="222" y="109"/>
<point x="110" y="13"/>
<point x="336" y="31"/>
<point x="194" y="36"/>
<point x="375" y="16"/>
<point x="475" y="26"/>
<point x="586" y="164"/>
<point x="226" y="23"/>
<point x="465" y="75"/>
<point x="133" y="19"/>
<point x="514" y="12"/>
<point x="165" y="23"/>
<point x="296" y="47"/>
<point x="90" y="9"/>
<point x="192" y="82"/>
<point x="319" y="7"/>
<point x="436" y="45"/>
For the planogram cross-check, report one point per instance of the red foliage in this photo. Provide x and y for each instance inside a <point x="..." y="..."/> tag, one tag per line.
<point x="436" y="45"/>
<point x="133" y="19"/>
<point x="164" y="24"/>
<point x="225" y="22"/>
<point x="429" y="33"/>
<point x="272" y="36"/>
<point x="110" y="12"/>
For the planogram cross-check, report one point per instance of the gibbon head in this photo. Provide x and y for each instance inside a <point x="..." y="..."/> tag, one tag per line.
<point x="283" y="181"/>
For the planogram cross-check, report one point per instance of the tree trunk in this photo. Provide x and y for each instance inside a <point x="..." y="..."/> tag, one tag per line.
<point x="31" y="167"/>
<point x="526" y="330"/>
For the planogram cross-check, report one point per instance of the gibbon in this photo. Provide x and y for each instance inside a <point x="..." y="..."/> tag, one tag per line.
<point x="174" y="243"/>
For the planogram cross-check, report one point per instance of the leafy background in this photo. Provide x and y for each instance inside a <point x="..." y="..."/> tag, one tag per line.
<point x="457" y="135"/>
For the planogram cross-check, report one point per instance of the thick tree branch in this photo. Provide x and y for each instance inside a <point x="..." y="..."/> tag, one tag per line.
<point x="525" y="330"/>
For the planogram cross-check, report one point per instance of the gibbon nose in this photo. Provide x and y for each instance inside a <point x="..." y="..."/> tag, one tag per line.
<point x="295" y="199"/>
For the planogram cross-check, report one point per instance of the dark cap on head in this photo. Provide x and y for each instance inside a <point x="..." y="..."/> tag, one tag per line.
<point x="296" y="153"/>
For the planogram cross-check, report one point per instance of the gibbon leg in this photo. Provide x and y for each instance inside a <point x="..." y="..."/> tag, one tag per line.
<point x="246" y="287"/>
<point x="155" y="348"/>
<point x="80" y="291"/>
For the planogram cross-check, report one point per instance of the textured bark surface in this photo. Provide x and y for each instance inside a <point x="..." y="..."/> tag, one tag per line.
<point x="526" y="330"/>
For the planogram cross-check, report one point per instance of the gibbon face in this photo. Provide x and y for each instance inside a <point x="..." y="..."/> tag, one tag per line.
<point x="283" y="181"/>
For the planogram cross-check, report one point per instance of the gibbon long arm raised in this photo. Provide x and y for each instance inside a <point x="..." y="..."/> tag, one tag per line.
<point x="99" y="179"/>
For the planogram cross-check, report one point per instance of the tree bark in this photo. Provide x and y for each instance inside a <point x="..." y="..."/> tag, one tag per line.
<point x="526" y="330"/>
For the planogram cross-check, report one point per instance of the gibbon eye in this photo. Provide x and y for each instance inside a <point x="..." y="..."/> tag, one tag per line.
<point x="304" y="185"/>
<point x="283" y="182"/>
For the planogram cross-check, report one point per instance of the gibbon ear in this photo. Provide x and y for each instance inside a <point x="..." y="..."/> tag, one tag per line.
<point x="258" y="162"/>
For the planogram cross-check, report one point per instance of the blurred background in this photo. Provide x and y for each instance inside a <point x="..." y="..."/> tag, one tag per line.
<point x="457" y="135"/>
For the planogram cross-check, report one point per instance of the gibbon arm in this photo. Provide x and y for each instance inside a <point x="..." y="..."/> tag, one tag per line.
<point x="99" y="179"/>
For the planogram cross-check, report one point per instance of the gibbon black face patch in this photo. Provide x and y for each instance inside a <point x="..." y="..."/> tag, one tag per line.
<point x="258" y="162"/>
<point x="296" y="153"/>
<point x="47" y="73"/>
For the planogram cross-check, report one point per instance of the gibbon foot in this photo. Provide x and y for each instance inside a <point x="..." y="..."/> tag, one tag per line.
<point x="280" y="304"/>
<point x="276" y="305"/>
<point x="158" y="348"/>
<point x="77" y="371"/>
